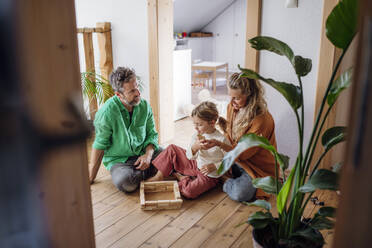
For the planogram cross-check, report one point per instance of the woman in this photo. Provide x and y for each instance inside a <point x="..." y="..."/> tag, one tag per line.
<point x="247" y="113"/>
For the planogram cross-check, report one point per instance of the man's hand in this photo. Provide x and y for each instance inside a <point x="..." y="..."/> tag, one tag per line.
<point x="208" y="168"/>
<point x="91" y="178"/>
<point x="143" y="162"/>
<point x="96" y="158"/>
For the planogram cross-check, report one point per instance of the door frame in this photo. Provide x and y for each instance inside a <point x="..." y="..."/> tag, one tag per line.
<point x="160" y="37"/>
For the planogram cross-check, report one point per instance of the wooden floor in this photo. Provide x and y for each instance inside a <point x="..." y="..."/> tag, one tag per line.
<point x="209" y="221"/>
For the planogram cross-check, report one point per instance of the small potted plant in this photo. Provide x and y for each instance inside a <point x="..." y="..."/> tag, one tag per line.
<point x="97" y="90"/>
<point x="293" y="193"/>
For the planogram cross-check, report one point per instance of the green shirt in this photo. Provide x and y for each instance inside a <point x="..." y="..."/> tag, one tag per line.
<point x="121" y="136"/>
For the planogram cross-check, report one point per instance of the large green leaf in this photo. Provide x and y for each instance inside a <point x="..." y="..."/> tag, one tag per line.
<point x="260" y="219"/>
<point x="260" y="203"/>
<point x="322" y="179"/>
<point x="290" y="92"/>
<point x="302" y="66"/>
<point x="333" y="136"/>
<point x="320" y="223"/>
<point x="309" y="234"/>
<point x="283" y="161"/>
<point x="326" y="212"/>
<point x="341" y="24"/>
<point x="273" y="45"/>
<point x="267" y="184"/>
<point x="246" y="141"/>
<point x="281" y="200"/>
<point x="341" y="83"/>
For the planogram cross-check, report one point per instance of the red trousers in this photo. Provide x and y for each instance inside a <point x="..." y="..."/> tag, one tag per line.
<point x="174" y="158"/>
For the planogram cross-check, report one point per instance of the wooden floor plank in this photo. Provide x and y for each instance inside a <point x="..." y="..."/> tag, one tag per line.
<point x="108" y="203"/>
<point x="244" y="240"/>
<point x="208" y="225"/>
<point x="130" y="204"/>
<point x="226" y="236"/>
<point x="155" y="223"/>
<point x="174" y="230"/>
<point x="116" y="231"/>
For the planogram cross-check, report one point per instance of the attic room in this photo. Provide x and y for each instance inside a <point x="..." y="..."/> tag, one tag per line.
<point x="186" y="123"/>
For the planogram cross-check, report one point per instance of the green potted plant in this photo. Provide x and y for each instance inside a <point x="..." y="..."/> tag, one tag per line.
<point x="289" y="228"/>
<point x="97" y="90"/>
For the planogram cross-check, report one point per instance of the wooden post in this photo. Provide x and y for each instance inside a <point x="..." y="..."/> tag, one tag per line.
<point x="165" y="63"/>
<point x="152" y="14"/>
<point x="254" y="12"/>
<point x="354" y="213"/>
<point x="50" y="76"/>
<point x="89" y="67"/>
<point x="160" y="13"/>
<point x="328" y="55"/>
<point x="105" y="49"/>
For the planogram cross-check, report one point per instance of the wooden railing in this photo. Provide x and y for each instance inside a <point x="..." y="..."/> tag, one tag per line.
<point x="103" y="30"/>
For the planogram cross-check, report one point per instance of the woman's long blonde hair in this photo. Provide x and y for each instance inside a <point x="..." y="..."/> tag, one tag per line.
<point x="256" y="103"/>
<point x="207" y="111"/>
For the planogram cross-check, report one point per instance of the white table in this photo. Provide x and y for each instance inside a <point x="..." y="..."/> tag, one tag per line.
<point x="212" y="66"/>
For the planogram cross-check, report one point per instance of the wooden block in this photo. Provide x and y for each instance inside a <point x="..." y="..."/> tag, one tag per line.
<point x="160" y="195"/>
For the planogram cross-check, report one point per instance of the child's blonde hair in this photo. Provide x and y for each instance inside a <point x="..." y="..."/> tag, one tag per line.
<point x="207" y="111"/>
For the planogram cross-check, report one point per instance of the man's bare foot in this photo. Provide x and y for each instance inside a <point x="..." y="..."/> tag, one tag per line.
<point x="179" y="176"/>
<point x="158" y="177"/>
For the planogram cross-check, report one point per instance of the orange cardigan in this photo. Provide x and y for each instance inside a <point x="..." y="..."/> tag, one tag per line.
<point x="256" y="161"/>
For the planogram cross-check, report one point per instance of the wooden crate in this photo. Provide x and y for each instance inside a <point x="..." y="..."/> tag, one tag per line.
<point x="160" y="195"/>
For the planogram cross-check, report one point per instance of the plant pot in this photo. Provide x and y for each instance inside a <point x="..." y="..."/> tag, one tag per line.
<point x="262" y="238"/>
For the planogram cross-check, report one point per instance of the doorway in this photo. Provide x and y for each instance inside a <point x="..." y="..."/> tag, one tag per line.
<point x="162" y="31"/>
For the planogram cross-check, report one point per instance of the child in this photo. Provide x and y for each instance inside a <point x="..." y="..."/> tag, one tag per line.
<point x="196" y="167"/>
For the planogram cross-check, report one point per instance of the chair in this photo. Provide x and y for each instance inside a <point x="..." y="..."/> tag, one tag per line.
<point x="200" y="78"/>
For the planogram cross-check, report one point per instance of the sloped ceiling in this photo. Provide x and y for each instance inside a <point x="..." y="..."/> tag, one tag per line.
<point x="193" y="15"/>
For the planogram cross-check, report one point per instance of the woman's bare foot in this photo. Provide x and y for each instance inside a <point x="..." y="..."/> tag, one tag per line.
<point x="179" y="176"/>
<point x="158" y="177"/>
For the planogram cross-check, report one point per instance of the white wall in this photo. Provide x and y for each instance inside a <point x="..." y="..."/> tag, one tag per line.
<point x="129" y="32"/>
<point x="229" y="31"/>
<point x="300" y="28"/>
<point x="202" y="48"/>
<point x="192" y="15"/>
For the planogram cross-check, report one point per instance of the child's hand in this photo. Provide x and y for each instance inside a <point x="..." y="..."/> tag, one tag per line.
<point x="208" y="144"/>
<point x="208" y="168"/>
<point x="196" y="146"/>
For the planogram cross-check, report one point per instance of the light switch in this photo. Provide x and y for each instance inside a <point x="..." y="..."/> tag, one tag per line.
<point x="291" y="3"/>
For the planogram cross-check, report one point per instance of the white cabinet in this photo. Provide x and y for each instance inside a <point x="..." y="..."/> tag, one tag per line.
<point x="229" y="30"/>
<point x="238" y="53"/>
<point x="181" y="82"/>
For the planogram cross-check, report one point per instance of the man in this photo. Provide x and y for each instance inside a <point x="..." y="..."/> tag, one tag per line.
<point x="126" y="138"/>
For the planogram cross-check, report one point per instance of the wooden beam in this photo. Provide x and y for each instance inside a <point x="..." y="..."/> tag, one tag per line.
<point x="165" y="45"/>
<point x="354" y="212"/>
<point x="92" y="30"/>
<point x="105" y="49"/>
<point x="152" y="14"/>
<point x="253" y="26"/>
<point x="50" y="75"/>
<point x="89" y="67"/>
<point x="328" y="56"/>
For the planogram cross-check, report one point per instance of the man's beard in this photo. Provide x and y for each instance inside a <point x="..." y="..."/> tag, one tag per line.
<point x="132" y="103"/>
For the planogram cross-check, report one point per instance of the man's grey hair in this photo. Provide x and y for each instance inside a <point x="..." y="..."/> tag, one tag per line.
<point x="120" y="76"/>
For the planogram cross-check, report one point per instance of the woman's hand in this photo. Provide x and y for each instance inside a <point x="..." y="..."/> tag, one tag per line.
<point x="208" y="168"/>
